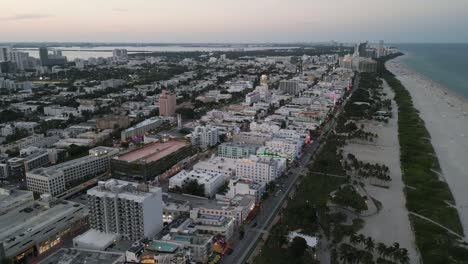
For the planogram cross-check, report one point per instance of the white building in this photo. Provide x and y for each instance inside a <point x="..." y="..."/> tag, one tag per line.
<point x="251" y="138"/>
<point x="5" y="53"/>
<point x="141" y="128"/>
<point x="120" y="54"/>
<point x="260" y="169"/>
<point x="211" y="181"/>
<point x="53" y="180"/>
<point x="128" y="209"/>
<point x="224" y="166"/>
<point x="95" y="240"/>
<point x="238" y="207"/>
<point x="213" y="224"/>
<point x="252" y="98"/>
<point x="205" y="136"/>
<point x="284" y="145"/>
<point x="20" y="59"/>
<point x="264" y="127"/>
<point x="56" y="110"/>
<point x="242" y="186"/>
<point x="265" y="94"/>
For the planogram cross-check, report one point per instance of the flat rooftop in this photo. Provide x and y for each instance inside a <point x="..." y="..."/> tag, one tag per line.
<point x="32" y="218"/>
<point x="78" y="256"/>
<point x="153" y="151"/>
<point x="11" y="197"/>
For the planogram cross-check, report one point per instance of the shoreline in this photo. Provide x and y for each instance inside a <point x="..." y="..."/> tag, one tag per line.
<point x="409" y="71"/>
<point x="445" y="114"/>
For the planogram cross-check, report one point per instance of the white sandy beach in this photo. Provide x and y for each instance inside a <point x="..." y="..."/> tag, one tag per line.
<point x="446" y="118"/>
<point x="391" y="224"/>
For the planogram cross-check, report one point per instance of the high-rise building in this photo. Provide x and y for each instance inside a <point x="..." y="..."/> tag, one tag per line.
<point x="5" y="53"/>
<point x="167" y="104"/>
<point x="119" y="54"/>
<point x="290" y="87"/>
<point x="20" y="59"/>
<point x="205" y="136"/>
<point x="129" y="209"/>
<point x="44" y="56"/>
<point x="381" y="49"/>
<point x="263" y="80"/>
<point x="362" y="49"/>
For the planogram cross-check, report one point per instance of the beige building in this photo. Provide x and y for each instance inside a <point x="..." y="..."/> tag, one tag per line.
<point x="110" y="122"/>
<point x="167" y="104"/>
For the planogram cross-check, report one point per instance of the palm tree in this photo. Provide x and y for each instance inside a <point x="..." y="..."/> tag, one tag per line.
<point x="381" y="248"/>
<point x="395" y="250"/>
<point x="370" y="244"/>
<point x="362" y="238"/>
<point x="404" y="256"/>
<point x="347" y="253"/>
<point x="353" y="239"/>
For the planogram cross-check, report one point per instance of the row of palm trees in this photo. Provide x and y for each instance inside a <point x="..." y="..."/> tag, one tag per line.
<point x="361" y="134"/>
<point x="389" y="253"/>
<point x="376" y="171"/>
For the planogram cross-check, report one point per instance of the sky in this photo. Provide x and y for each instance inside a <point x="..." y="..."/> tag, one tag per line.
<point x="239" y="21"/>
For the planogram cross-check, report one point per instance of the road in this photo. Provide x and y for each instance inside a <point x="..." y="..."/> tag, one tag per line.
<point x="242" y="249"/>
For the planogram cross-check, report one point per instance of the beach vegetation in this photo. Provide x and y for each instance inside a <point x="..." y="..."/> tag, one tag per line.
<point x="427" y="194"/>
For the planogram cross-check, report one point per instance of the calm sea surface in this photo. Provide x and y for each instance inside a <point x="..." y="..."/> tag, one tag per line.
<point x="446" y="64"/>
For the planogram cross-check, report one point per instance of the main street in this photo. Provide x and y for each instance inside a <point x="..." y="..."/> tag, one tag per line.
<point x="242" y="249"/>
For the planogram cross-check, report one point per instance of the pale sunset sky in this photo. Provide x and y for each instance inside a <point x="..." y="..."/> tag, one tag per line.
<point x="234" y="20"/>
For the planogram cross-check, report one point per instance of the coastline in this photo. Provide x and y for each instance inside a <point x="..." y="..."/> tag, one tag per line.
<point x="441" y="108"/>
<point x="404" y="68"/>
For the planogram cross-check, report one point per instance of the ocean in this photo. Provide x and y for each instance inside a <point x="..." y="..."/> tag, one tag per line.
<point x="445" y="64"/>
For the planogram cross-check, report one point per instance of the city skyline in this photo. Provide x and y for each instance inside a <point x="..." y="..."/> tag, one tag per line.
<point x="234" y="21"/>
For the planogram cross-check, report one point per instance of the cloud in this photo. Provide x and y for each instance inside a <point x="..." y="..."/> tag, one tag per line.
<point x="26" y="17"/>
<point x="116" y="9"/>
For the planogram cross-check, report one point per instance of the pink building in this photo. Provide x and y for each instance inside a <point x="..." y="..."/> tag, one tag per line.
<point x="167" y="104"/>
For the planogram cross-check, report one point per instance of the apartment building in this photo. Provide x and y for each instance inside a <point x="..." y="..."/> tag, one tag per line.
<point x="56" y="179"/>
<point x="237" y="150"/>
<point x="128" y="209"/>
<point x="260" y="169"/>
<point x="205" y="136"/>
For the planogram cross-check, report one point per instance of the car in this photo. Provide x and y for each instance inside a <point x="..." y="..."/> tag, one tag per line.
<point x="255" y="224"/>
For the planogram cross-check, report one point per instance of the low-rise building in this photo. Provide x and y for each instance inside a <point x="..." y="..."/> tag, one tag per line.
<point x="142" y="128"/>
<point x="243" y="186"/>
<point x="211" y="181"/>
<point x="260" y="169"/>
<point x="212" y="224"/>
<point x="251" y="138"/>
<point x="236" y="150"/>
<point x="34" y="229"/>
<point x="224" y="166"/>
<point x="56" y="179"/>
<point x="200" y="246"/>
<point x="112" y="122"/>
<point x="13" y="198"/>
<point x="238" y="207"/>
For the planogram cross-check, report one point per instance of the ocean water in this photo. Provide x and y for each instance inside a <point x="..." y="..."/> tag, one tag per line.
<point x="445" y="64"/>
